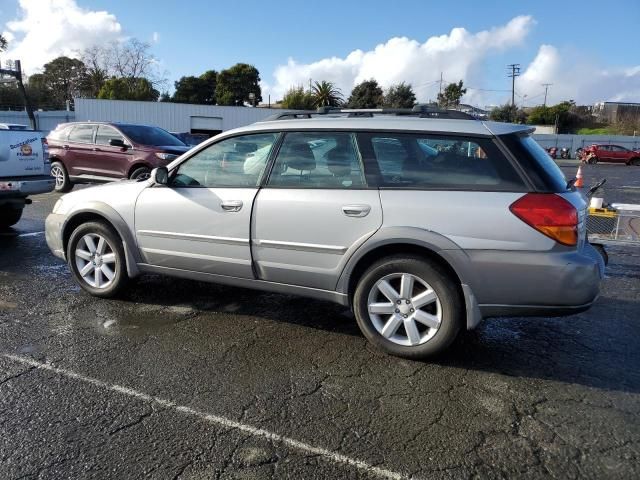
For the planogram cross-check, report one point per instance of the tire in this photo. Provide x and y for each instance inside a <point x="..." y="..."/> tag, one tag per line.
<point x="140" y="173"/>
<point x="9" y="216"/>
<point x="602" y="251"/>
<point x="59" y="172"/>
<point x="97" y="281"/>
<point x="444" y="313"/>
<point x="592" y="160"/>
<point x="635" y="162"/>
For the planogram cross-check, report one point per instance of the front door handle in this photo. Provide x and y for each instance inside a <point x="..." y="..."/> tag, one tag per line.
<point x="356" y="210"/>
<point x="231" y="205"/>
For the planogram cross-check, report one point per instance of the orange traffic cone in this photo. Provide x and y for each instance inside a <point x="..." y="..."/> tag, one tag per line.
<point x="579" y="183"/>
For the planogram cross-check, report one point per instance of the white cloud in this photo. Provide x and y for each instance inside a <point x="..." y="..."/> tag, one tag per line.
<point x="459" y="54"/>
<point x="49" y="28"/>
<point x="155" y="37"/>
<point x="576" y="80"/>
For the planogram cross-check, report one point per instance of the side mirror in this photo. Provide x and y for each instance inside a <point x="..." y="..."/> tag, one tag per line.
<point x="160" y="175"/>
<point x="118" y="142"/>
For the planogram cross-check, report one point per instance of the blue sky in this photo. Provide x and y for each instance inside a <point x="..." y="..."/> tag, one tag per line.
<point x="196" y="35"/>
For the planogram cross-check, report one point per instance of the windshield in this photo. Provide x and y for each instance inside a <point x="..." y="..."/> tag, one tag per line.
<point x="154" y="136"/>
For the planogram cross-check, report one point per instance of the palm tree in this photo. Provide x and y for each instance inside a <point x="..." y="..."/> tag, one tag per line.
<point x="326" y="94"/>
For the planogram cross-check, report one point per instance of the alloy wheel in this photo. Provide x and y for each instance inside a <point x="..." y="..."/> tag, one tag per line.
<point x="404" y="309"/>
<point x="95" y="260"/>
<point x="58" y="174"/>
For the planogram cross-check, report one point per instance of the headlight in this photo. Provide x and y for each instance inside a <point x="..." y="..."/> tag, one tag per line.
<point x="166" y="156"/>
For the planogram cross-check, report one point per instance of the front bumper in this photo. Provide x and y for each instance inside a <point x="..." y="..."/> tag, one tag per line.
<point x="53" y="233"/>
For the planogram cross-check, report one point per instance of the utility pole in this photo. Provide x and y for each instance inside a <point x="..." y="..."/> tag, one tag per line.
<point x="546" y="89"/>
<point x="440" y="83"/>
<point x="515" y="72"/>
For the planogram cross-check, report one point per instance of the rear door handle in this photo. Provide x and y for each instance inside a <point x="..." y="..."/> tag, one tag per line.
<point x="231" y="205"/>
<point x="356" y="210"/>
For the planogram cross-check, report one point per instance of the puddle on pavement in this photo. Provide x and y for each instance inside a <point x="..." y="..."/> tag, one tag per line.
<point x="143" y="319"/>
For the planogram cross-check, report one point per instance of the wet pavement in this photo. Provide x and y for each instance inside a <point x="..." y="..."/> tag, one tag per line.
<point x="187" y="380"/>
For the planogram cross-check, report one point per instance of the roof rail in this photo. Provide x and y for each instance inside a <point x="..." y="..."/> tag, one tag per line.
<point x="421" y="111"/>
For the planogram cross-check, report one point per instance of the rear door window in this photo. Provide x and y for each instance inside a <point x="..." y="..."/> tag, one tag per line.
<point x="421" y="161"/>
<point x="82" y="134"/>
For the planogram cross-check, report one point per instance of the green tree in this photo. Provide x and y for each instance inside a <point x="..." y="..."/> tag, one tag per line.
<point x="565" y="115"/>
<point x="129" y="89"/>
<point x="164" y="97"/>
<point x="367" y="94"/>
<point x="236" y="83"/>
<point x="326" y="94"/>
<point x="297" y="98"/>
<point x="64" y="78"/>
<point x="451" y="95"/>
<point x="400" y="96"/>
<point x="200" y="90"/>
<point x="3" y="43"/>
<point x="508" y="113"/>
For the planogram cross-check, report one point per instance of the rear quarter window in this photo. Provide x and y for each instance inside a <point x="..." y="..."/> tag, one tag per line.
<point x="439" y="162"/>
<point x="542" y="171"/>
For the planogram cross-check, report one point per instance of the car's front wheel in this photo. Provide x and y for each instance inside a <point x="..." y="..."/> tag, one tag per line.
<point x="141" y="173"/>
<point x="635" y="162"/>
<point x="408" y="306"/>
<point x="96" y="258"/>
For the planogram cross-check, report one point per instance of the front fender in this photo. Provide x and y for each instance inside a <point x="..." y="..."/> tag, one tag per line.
<point x="107" y="212"/>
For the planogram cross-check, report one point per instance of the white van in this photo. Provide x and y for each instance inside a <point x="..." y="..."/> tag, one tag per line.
<point x="24" y="170"/>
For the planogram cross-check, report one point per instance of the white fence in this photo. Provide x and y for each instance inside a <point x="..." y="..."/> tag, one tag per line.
<point x="573" y="142"/>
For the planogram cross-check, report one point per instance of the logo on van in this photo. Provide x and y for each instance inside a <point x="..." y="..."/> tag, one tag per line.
<point x="26" y="149"/>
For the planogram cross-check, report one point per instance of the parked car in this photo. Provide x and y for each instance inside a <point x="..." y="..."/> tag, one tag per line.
<point x="190" y="139"/>
<point x="24" y="171"/>
<point x="95" y="152"/>
<point x="13" y="126"/>
<point x="610" y="153"/>
<point x="423" y="226"/>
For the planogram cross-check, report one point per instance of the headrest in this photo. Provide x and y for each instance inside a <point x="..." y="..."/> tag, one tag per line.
<point x="243" y="147"/>
<point x="298" y="156"/>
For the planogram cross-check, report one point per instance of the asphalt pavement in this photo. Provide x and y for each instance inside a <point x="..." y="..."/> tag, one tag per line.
<point x="186" y="380"/>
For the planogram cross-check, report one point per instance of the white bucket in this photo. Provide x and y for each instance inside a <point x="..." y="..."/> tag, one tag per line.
<point x="596" y="202"/>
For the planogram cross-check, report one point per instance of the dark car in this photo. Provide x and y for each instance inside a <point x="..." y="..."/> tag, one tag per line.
<point x="610" y="153"/>
<point x="94" y="152"/>
<point x="191" y="139"/>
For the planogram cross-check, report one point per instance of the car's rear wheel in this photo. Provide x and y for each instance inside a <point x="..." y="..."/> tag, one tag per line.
<point x="96" y="258"/>
<point x="635" y="161"/>
<point x="9" y="216"/>
<point x="59" y="172"/>
<point x="141" y="173"/>
<point x="408" y="306"/>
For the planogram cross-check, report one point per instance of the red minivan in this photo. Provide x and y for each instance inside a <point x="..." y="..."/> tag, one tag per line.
<point x="95" y="152"/>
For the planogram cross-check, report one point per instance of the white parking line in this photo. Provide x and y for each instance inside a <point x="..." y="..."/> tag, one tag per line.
<point x="12" y="234"/>
<point x="214" y="419"/>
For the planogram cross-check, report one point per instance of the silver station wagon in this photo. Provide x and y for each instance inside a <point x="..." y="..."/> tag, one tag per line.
<point x="421" y="221"/>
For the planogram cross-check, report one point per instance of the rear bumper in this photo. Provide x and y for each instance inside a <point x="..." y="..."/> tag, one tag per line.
<point x="53" y="226"/>
<point x="536" y="283"/>
<point x="25" y="186"/>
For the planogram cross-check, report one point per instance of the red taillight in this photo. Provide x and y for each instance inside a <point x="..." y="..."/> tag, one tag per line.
<point x="550" y="214"/>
